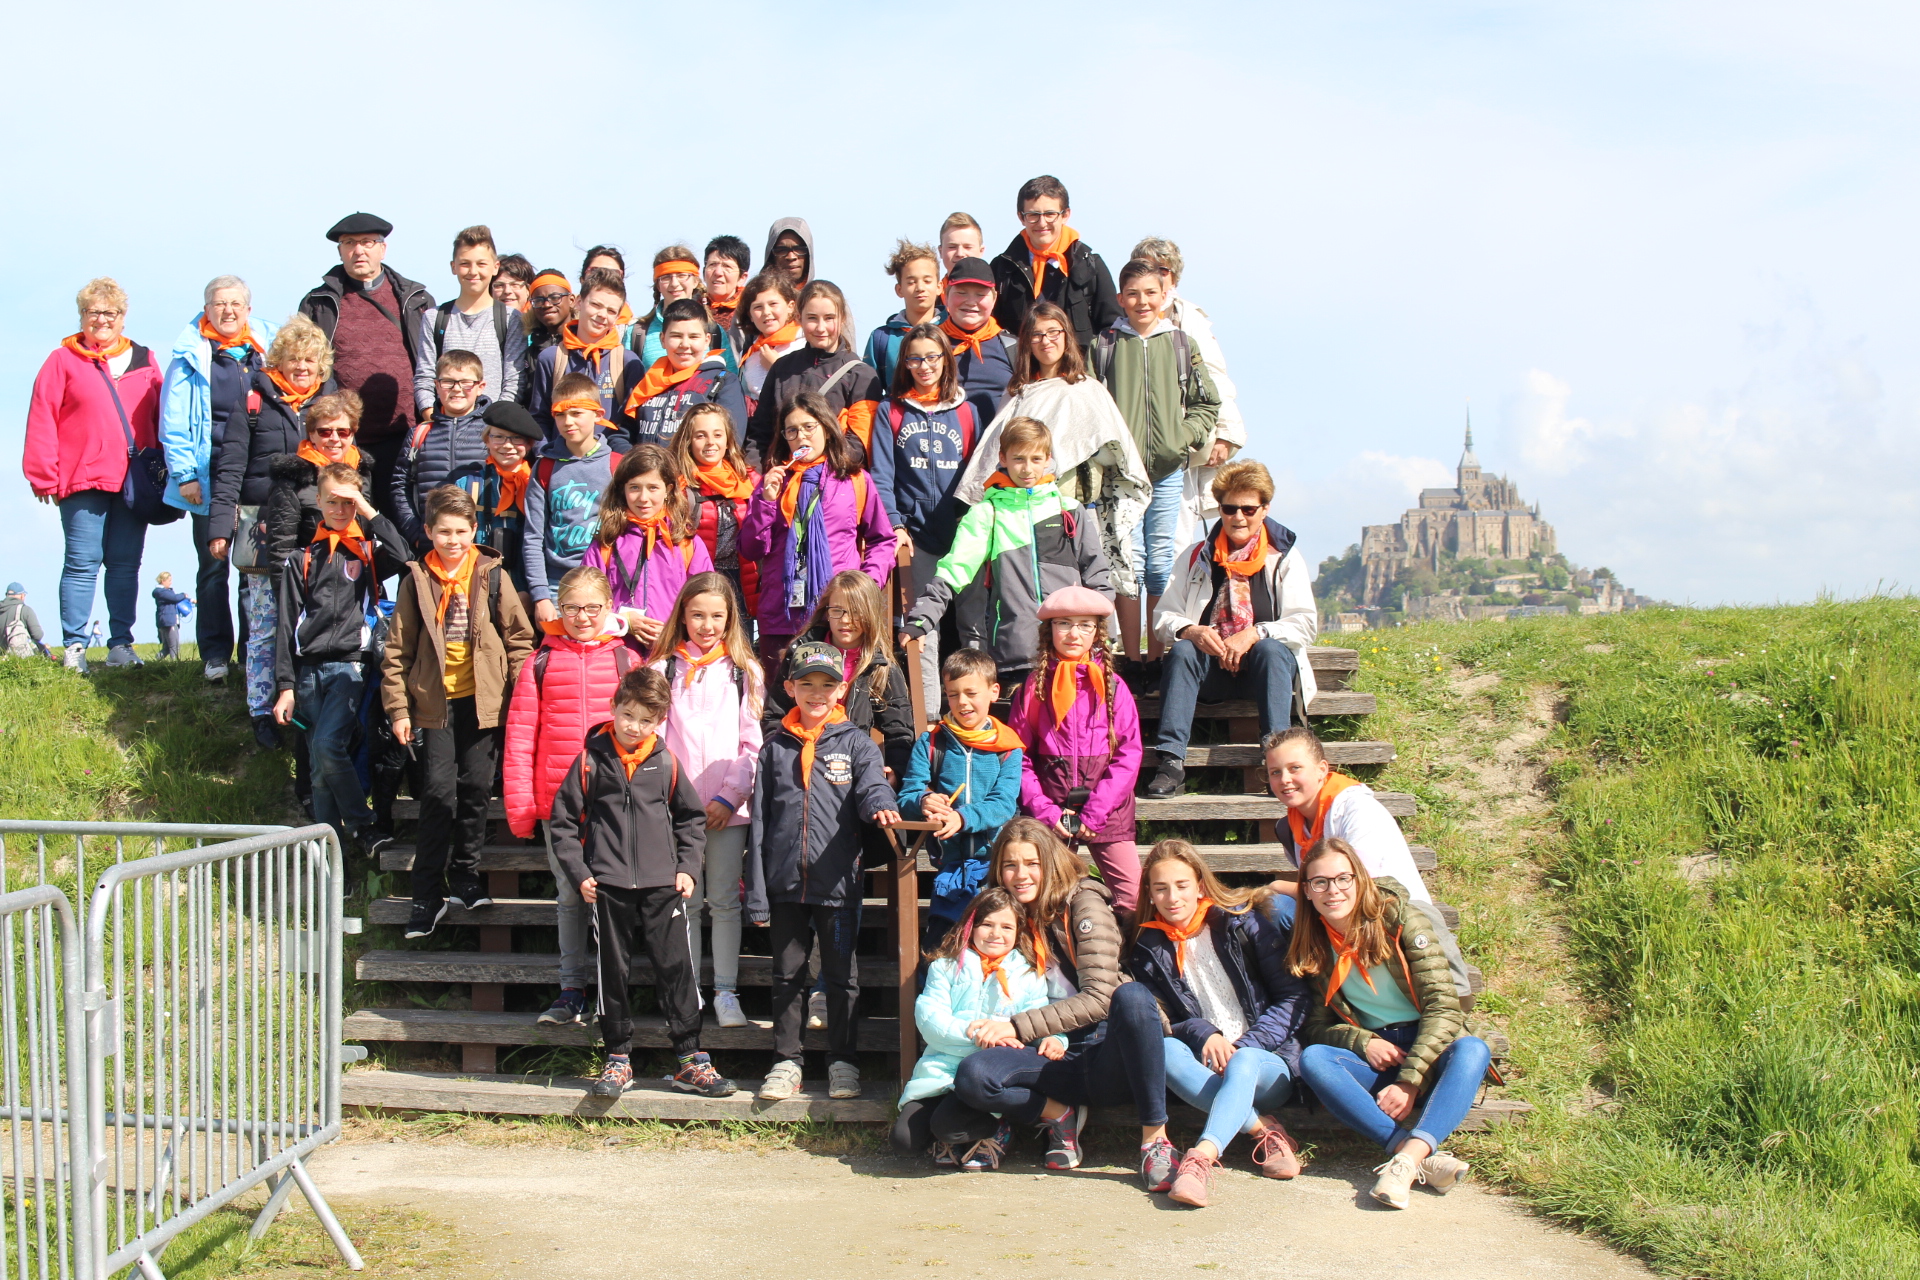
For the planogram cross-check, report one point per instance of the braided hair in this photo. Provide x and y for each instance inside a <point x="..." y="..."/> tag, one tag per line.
<point x="1042" y="678"/>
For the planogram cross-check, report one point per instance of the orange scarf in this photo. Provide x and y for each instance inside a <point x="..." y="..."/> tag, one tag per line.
<point x="696" y="661"/>
<point x="1252" y="564"/>
<point x="790" y="495"/>
<point x="1001" y="480"/>
<point x="296" y="399"/>
<point x="778" y="338"/>
<point x="312" y="454"/>
<point x="925" y="396"/>
<point x="513" y="486"/>
<point x="221" y="341"/>
<point x="961" y="338"/>
<point x="570" y="340"/>
<point x="1303" y="839"/>
<point x="1064" y="691"/>
<point x="722" y="479"/>
<point x="725" y="310"/>
<point x="996" y="968"/>
<point x="809" y="738"/>
<point x="657" y="527"/>
<point x="1058" y="254"/>
<point x="73" y="343"/>
<point x="638" y="756"/>
<point x="991" y="736"/>
<point x="351" y="537"/>
<point x="662" y="377"/>
<point x="1195" y="923"/>
<point x="1343" y="965"/>
<point x="450" y="585"/>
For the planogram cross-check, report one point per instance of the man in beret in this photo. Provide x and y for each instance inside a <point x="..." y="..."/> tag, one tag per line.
<point x="372" y="314"/>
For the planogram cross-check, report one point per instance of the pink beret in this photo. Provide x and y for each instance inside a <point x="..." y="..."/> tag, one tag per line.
<point x="1076" y="602"/>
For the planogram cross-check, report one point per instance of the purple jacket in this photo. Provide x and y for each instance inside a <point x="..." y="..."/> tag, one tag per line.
<point x="651" y="587"/>
<point x="861" y="539"/>
<point x="1080" y="753"/>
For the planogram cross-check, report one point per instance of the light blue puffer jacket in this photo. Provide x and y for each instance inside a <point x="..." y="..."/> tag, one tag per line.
<point x="958" y="992"/>
<point x="186" y="411"/>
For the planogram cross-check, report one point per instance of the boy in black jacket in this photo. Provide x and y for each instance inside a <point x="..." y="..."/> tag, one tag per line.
<point x="328" y="602"/>
<point x="819" y="777"/>
<point x="629" y="827"/>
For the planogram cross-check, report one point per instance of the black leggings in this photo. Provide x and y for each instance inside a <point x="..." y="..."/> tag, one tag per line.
<point x="1129" y="1063"/>
<point x="944" y="1118"/>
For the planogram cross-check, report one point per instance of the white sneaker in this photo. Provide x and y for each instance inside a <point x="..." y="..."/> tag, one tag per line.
<point x="843" y="1080"/>
<point x="781" y="1083"/>
<point x="76" y="659"/>
<point x="1442" y="1170"/>
<point x="1396" y="1180"/>
<point x="726" y="1008"/>
<point x="215" y="672"/>
<point x="817" y="1011"/>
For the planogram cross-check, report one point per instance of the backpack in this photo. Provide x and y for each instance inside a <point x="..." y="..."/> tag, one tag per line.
<point x="622" y="663"/>
<point x="969" y="422"/>
<point x="13" y="632"/>
<point x="739" y="676"/>
<point x="1182" y="354"/>
<point x="444" y="312"/>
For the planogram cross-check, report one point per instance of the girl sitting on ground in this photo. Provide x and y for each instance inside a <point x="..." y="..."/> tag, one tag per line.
<point x="646" y="544"/>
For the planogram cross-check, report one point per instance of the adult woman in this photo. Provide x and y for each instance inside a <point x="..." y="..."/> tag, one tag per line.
<point x="97" y="386"/>
<point x="299" y="368"/>
<point x="1112" y="1026"/>
<point x="1386" y="1052"/>
<point x="675" y="276"/>
<point x="1094" y="455"/>
<point x="293" y="497"/>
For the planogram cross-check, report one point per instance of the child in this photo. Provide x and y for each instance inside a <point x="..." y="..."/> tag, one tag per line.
<point x="1083" y="738"/>
<point x="825" y="366"/>
<point x="1163" y="390"/>
<point x="852" y="617"/>
<point x="1048" y="259"/>
<point x="713" y="729"/>
<point x="500" y="490"/>
<point x="645" y="544"/>
<point x="513" y="282"/>
<point x="676" y="276"/>
<point x="771" y="304"/>
<point x="569" y="476"/>
<point x="689" y="373"/>
<point x="1216" y="960"/>
<point x="960" y="237"/>
<point x="475" y="322"/>
<point x="707" y="452"/>
<point x="589" y="345"/>
<point x="916" y="282"/>
<point x="724" y="272"/>
<point x="817" y="513"/>
<point x="448" y="447"/>
<point x="965" y="775"/>
<point x="560" y="695"/>
<point x="328" y="598"/>
<point x="1032" y="541"/>
<point x="983" y="351"/>
<point x="627" y="829"/>
<point x="549" y="307"/>
<point x="983" y="968"/>
<point x="451" y="603"/>
<point x="820" y="778"/>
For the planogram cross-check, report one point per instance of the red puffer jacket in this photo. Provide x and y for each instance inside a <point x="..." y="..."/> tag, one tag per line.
<point x="717" y="510"/>
<point x="565" y="689"/>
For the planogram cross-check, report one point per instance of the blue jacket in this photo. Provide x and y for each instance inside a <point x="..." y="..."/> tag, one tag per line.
<point x="166" y="606"/>
<point x="563" y="512"/>
<point x="186" y="411"/>
<point x="883" y="346"/>
<point x="918" y="474"/>
<point x="1252" y="945"/>
<point x="655" y="421"/>
<point x="985" y="380"/>
<point x="448" y="451"/>
<point x="958" y="992"/>
<point x="992" y="780"/>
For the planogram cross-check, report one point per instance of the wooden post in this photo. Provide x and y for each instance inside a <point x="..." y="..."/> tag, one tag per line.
<point x="903" y="928"/>
<point x="901" y="597"/>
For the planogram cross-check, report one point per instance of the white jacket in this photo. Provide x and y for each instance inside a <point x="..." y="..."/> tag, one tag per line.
<point x="1363" y="822"/>
<point x="1190" y="589"/>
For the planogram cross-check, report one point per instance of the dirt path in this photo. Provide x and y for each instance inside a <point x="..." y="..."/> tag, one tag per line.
<point x="546" y="1212"/>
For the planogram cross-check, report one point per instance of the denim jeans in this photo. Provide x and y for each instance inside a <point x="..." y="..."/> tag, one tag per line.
<point x="1126" y="1063"/>
<point x="1189" y="677"/>
<point x="99" y="530"/>
<point x="1153" y="537"/>
<point x="212" y="600"/>
<point x="1345" y="1084"/>
<point x="326" y="696"/>
<point x="1254" y="1081"/>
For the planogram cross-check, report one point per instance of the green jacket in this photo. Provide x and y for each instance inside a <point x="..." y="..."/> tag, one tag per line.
<point x="1171" y="417"/>
<point x="1421" y="971"/>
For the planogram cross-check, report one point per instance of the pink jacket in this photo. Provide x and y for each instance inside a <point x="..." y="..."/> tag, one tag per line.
<point x="650" y="584"/>
<point x="1080" y="752"/>
<point x="857" y="538"/>
<point x="713" y="729"/>
<point x="548" y="719"/>
<point x="74" y="438"/>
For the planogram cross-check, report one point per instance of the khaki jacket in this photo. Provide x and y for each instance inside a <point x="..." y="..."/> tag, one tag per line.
<point x="413" y="670"/>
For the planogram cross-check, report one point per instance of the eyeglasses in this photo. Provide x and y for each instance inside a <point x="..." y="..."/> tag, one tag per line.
<point x="587" y="611"/>
<point x="1073" y="625"/>
<point x="331" y="433"/>
<point x="101" y="315"/>
<point x="1049" y="335"/>
<point x="920" y="362"/>
<point x="459" y="384"/>
<point x="801" y="432"/>
<point x="1036" y="215"/>
<point x="837" y="614"/>
<point x="1320" y="884"/>
<point x="549" y="299"/>
<point x="1226" y="510"/>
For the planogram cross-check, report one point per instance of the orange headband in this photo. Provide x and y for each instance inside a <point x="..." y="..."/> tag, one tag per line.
<point x="554" y="276"/>
<point x="578" y="402"/>
<point x="677" y="266"/>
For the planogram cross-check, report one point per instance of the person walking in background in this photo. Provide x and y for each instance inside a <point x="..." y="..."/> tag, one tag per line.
<point x="20" y="635"/>
<point x="166" y="616"/>
<point x="93" y="637"/>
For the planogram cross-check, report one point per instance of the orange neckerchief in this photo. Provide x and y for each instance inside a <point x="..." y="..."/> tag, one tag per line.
<point x="991" y="736"/>
<point x="995" y="968"/>
<point x="296" y="399"/>
<point x="696" y="661"/>
<point x="351" y="537"/>
<point x="1303" y="839"/>
<point x="809" y="738"/>
<point x="312" y="454"/>
<point x="925" y="396"/>
<point x="961" y="338"/>
<point x="513" y="485"/>
<point x="570" y="340"/>
<point x="221" y="341"/>
<point x="73" y="343"/>
<point x="1180" y="936"/>
<point x="778" y="338"/>
<point x="663" y="376"/>
<point x="790" y="496"/>
<point x="1001" y="480"/>
<point x="657" y="527"/>
<point x="725" y="309"/>
<point x="1254" y="561"/>
<point x="450" y="585"/>
<point x="1342" y="966"/>
<point x="1063" y="691"/>
<point x="1063" y="242"/>
<point x="723" y="480"/>
<point x="638" y="756"/>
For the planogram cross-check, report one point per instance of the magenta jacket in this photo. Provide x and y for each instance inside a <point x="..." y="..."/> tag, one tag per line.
<point x="857" y="539"/>
<point x="1080" y="753"/>
<point x="74" y="438"/>
<point x="650" y="584"/>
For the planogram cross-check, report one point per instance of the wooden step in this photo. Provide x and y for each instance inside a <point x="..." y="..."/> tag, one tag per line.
<point x="1273" y="858"/>
<point x="1201" y="807"/>
<point x="512" y="912"/>
<point x="1327" y="702"/>
<point x="1244" y="755"/>
<point x="472" y="1026"/>
<point x="535" y="967"/>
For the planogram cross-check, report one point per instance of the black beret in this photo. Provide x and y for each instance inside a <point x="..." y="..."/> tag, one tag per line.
<point x="508" y="416"/>
<point x="359" y="224"/>
<point x="971" y="271"/>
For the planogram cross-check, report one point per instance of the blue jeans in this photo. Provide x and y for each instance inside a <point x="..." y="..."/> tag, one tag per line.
<point x="1345" y="1085"/>
<point x="1153" y="537"/>
<point x="1189" y="677"/>
<point x="1124" y="1064"/>
<point x="99" y="530"/>
<point x="1254" y="1081"/>
<point x="212" y="601"/>
<point x="326" y="696"/>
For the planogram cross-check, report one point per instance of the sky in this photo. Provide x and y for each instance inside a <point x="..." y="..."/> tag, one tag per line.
<point x="1660" y="251"/>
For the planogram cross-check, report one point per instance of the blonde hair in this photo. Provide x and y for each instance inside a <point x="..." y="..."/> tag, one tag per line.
<point x="585" y="578"/>
<point x="734" y="641"/>
<point x="101" y="291"/>
<point x="300" y="337"/>
<point x="860" y="595"/>
<point x="1162" y="253"/>
<point x="1024" y="431"/>
<point x="1243" y="476"/>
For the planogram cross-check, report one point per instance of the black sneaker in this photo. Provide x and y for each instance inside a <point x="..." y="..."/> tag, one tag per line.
<point x="568" y="1009"/>
<point x="697" y="1075"/>
<point x="426" y="916"/>
<point x="377" y="840"/>
<point x="265" y="735"/>
<point x="470" y="895"/>
<point x="1170" y="779"/>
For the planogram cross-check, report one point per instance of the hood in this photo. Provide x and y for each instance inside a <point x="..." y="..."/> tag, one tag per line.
<point x="561" y="455"/>
<point x="198" y="351"/>
<point x="1396" y="895"/>
<point x="800" y="228"/>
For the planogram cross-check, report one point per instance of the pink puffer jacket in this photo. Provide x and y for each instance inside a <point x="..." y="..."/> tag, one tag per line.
<point x="548" y="719"/>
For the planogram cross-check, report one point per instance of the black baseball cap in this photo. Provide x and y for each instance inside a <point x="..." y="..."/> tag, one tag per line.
<point x="971" y="271"/>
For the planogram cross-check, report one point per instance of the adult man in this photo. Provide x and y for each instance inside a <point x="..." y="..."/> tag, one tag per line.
<point x="982" y="350"/>
<point x="372" y="315"/>
<point x="1238" y="613"/>
<point x="790" y="251"/>
<point x="20" y="634"/>
<point x="1048" y="259"/>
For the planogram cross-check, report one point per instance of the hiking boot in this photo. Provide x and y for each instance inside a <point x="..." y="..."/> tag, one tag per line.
<point x="843" y="1080"/>
<point x="943" y="1156"/>
<point x="1170" y="779"/>
<point x="76" y="659"/>
<point x="614" y="1077"/>
<point x="1441" y="1170"/>
<point x="566" y="1010"/>
<point x="425" y="917"/>
<point x="1194" y="1181"/>
<point x="122" y="655"/>
<point x="726" y="1009"/>
<point x="215" y="672"/>
<point x="781" y="1083"/>
<point x="1395" y="1180"/>
<point x="1159" y="1161"/>
<point x="984" y="1156"/>
<point x="265" y="734"/>
<point x="817" y="1011"/>
<point x="1275" y="1151"/>
<point x="1063" y="1140"/>
<point x="696" y="1075"/>
<point x="469" y="894"/>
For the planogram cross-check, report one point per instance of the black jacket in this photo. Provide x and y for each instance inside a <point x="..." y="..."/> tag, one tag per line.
<point x="293" y="503"/>
<point x="631" y="834"/>
<point x="453" y="451"/>
<point x="805" y="841"/>
<point x="1252" y="946"/>
<point x="326" y="599"/>
<point x="810" y="369"/>
<point x="877" y="699"/>
<point x="322" y="306"/>
<point x="243" y="473"/>
<point x="1085" y="293"/>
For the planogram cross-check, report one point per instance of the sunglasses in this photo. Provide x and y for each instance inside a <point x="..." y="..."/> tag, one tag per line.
<point x="1226" y="510"/>
<point x="331" y="433"/>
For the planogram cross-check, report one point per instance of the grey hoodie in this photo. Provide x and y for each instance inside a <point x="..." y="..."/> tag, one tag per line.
<point x="800" y="228"/>
<point x="561" y="525"/>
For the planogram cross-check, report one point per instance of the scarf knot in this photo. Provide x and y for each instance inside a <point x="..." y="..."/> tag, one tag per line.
<point x="724" y="480"/>
<point x="1347" y="958"/>
<point x="454" y="580"/>
<point x="311" y="453"/>
<point x="1182" y="935"/>
<point x="1063" y="690"/>
<point x="809" y="738"/>
<point x="1056" y="254"/>
<point x="513" y="486"/>
<point x="221" y="342"/>
<point x="593" y="352"/>
<point x="1233" y="606"/>
<point x="631" y="760"/>
<point x="991" y="735"/>
<point x="295" y="398"/>
<point x="697" y="662"/>
<point x="662" y="377"/>
<point x="996" y="968"/>
<point x="972" y="339"/>
<point x="76" y="343"/>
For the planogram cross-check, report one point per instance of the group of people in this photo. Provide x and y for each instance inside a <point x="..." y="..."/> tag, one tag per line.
<point x="648" y="556"/>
